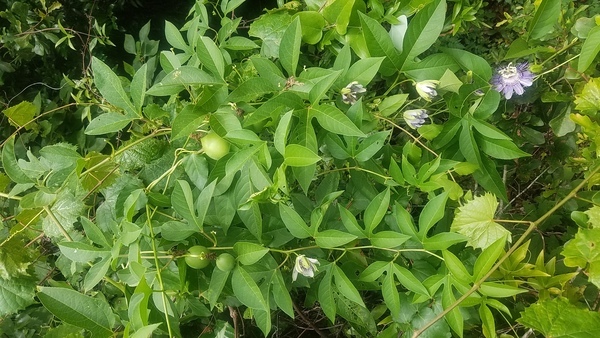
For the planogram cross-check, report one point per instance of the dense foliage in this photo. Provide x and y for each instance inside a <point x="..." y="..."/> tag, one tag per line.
<point x="408" y="168"/>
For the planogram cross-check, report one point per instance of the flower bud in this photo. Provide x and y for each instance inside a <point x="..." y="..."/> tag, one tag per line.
<point x="415" y="118"/>
<point x="427" y="89"/>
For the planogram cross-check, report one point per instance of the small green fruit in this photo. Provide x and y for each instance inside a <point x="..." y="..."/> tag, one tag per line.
<point x="197" y="257"/>
<point x="214" y="146"/>
<point x="225" y="262"/>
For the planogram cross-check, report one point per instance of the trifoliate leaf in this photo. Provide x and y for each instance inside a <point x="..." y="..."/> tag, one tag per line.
<point x="557" y="318"/>
<point x="476" y="221"/>
<point x="594" y="216"/>
<point x="583" y="249"/>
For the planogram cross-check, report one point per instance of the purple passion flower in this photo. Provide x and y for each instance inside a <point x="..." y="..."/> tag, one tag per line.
<point x="415" y="118"/>
<point x="352" y="92"/>
<point x="512" y="79"/>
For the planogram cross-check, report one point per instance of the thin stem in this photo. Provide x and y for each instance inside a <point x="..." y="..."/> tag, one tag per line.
<point x="416" y="139"/>
<point x="158" y="275"/>
<point x="7" y="196"/>
<point x="58" y="225"/>
<point x="531" y="228"/>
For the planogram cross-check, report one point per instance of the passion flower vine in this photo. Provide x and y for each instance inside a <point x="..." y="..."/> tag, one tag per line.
<point x="512" y="79"/>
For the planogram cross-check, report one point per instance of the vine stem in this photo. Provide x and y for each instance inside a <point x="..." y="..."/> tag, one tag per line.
<point x="416" y="139"/>
<point x="531" y="228"/>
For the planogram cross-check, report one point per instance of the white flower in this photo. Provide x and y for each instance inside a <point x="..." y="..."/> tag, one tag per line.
<point x="398" y="31"/>
<point x="415" y="118"/>
<point x="305" y="266"/>
<point x="352" y="92"/>
<point x="427" y="89"/>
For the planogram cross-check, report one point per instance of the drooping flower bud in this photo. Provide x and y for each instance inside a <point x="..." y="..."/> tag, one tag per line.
<point x="427" y="89"/>
<point x="415" y="118"/>
<point x="352" y="92"/>
<point x="398" y="31"/>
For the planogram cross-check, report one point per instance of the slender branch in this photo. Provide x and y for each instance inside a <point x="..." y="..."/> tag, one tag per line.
<point x="57" y="222"/>
<point x="532" y="227"/>
<point x="308" y="321"/>
<point x="416" y="139"/>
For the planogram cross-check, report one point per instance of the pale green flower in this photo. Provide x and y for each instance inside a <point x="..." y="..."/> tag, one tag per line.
<point x="398" y="31"/>
<point x="305" y="266"/>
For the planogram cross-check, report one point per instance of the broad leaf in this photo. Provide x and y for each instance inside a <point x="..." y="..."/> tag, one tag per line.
<point x="333" y="120"/>
<point x="546" y="16"/>
<point x="589" y="50"/>
<point x="289" y="50"/>
<point x="110" y="87"/>
<point x="92" y="314"/>
<point x="246" y="290"/>
<point x="108" y="123"/>
<point x="249" y="253"/>
<point x="558" y="318"/>
<point x="15" y="295"/>
<point x="583" y="250"/>
<point x="300" y="156"/>
<point x="476" y="221"/>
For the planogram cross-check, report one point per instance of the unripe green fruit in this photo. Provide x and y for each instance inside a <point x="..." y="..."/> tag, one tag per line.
<point x="197" y="257"/>
<point x="225" y="262"/>
<point x="214" y="146"/>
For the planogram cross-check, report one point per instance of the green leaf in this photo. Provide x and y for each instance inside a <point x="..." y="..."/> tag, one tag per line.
<point x="589" y="50"/>
<point x="289" y="49"/>
<point x="10" y="165"/>
<point x="390" y="293"/>
<point x="251" y="89"/>
<point x="15" y="294"/>
<point x="432" y="213"/>
<point x="299" y="156"/>
<point x="488" y="177"/>
<point x="454" y="317"/>
<point x="21" y="114"/>
<point x="325" y="296"/>
<point x="281" y="294"/>
<point x="350" y="223"/>
<point x="431" y="67"/>
<point x="589" y="100"/>
<point x="502" y="149"/>
<point x="107" y="123"/>
<point x="345" y="286"/>
<point x="374" y="271"/>
<point x="138" y="87"/>
<point x="239" y="43"/>
<point x="92" y="314"/>
<point x="110" y="87"/>
<point x="456" y="267"/>
<point x="218" y="279"/>
<point x="174" y="37"/>
<point x="379" y="43"/>
<point x="546" y="16"/>
<point x="497" y="290"/>
<point x="81" y="252"/>
<point x="210" y="56"/>
<point x="177" y="80"/>
<point x="376" y="210"/>
<point x="364" y="70"/>
<point x="177" y="231"/>
<point x="423" y="30"/>
<point x="293" y="222"/>
<point x="489" y="130"/>
<point x="96" y="273"/>
<point x="186" y="122"/>
<point x="443" y="240"/>
<point x="246" y="290"/>
<point x="66" y="210"/>
<point x="338" y="13"/>
<point x="487" y="258"/>
<point x="312" y="24"/>
<point x="476" y="221"/>
<point x="388" y="239"/>
<point x="409" y="281"/>
<point x="270" y="28"/>
<point x="583" y="250"/>
<point x="333" y="238"/>
<point x="488" y="325"/>
<point x="183" y="203"/>
<point x="335" y="121"/>
<point x="249" y="253"/>
<point x="321" y="86"/>
<point x="558" y="318"/>
<point x="370" y="146"/>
